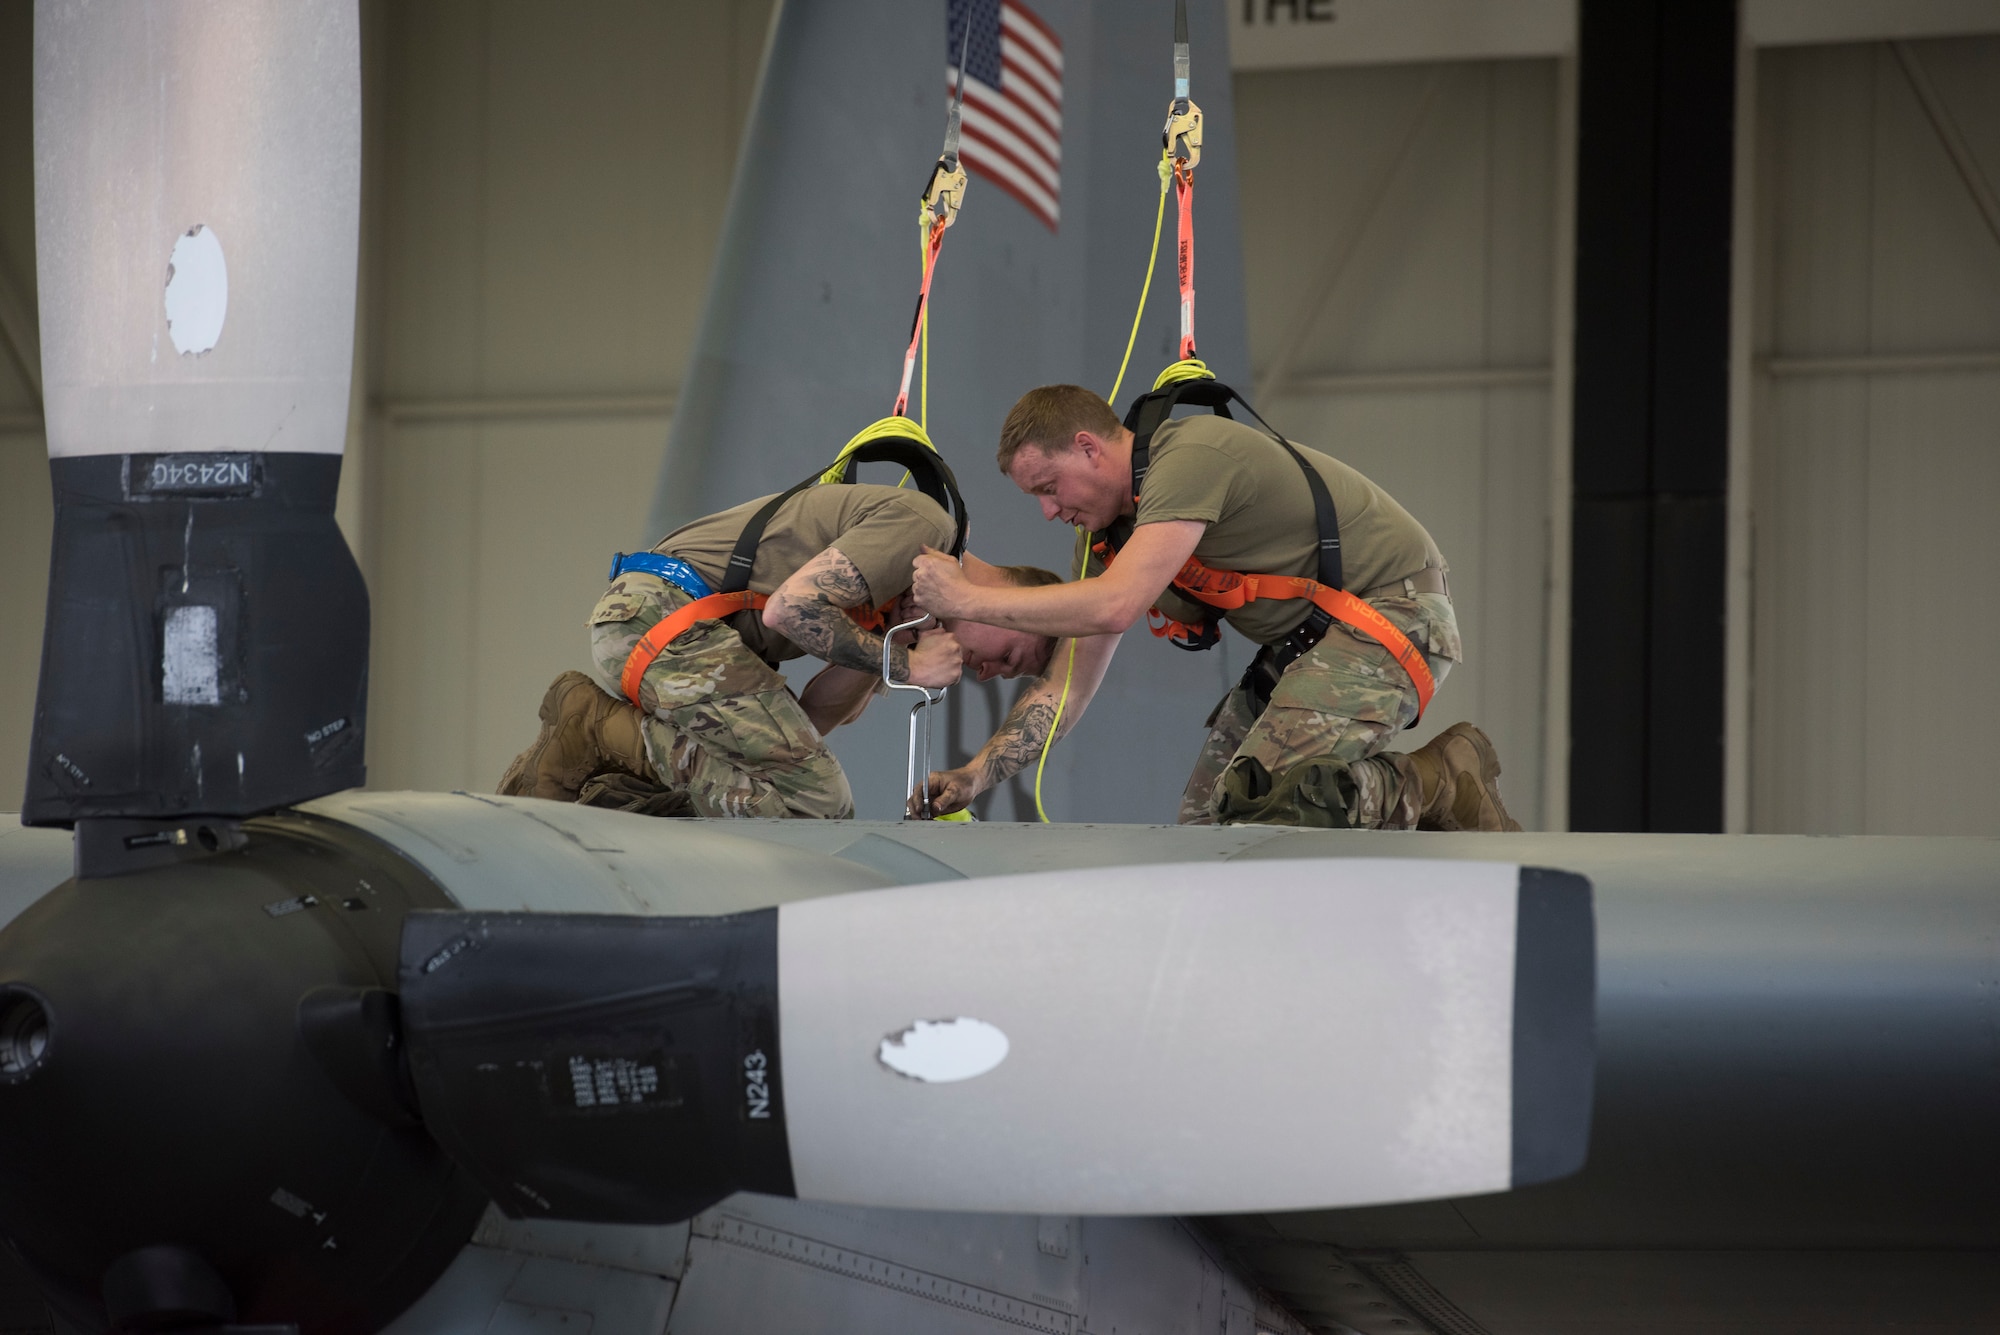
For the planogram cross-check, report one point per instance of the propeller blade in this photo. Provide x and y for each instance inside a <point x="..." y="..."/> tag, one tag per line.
<point x="1150" y="1040"/>
<point x="197" y="212"/>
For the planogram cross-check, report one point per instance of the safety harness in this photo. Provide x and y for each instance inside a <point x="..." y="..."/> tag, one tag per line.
<point x="1189" y="382"/>
<point x="1192" y="384"/>
<point x="893" y="440"/>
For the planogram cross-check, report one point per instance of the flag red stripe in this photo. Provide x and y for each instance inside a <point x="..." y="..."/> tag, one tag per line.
<point x="1034" y="172"/>
<point x="988" y="162"/>
<point x="1022" y="197"/>
<point x="1023" y="13"/>
<point x="1030" y="97"/>
<point x="1027" y="67"/>
<point x="1038" y="123"/>
<point x="1034" y="136"/>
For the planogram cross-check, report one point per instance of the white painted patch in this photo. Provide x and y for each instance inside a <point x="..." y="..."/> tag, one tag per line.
<point x="197" y="292"/>
<point x="190" y="665"/>
<point x="941" y="1051"/>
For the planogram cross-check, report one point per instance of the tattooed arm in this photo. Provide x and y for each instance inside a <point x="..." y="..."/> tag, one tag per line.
<point x="810" y="610"/>
<point x="1017" y="743"/>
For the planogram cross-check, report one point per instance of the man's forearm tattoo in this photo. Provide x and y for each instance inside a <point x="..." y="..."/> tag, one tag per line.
<point x="820" y="625"/>
<point x="1019" y="739"/>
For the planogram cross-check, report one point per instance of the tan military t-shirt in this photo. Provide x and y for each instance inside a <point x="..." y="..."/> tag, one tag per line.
<point x="879" y="528"/>
<point x="1259" y="511"/>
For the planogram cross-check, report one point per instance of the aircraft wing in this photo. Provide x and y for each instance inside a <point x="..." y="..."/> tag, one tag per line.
<point x="32" y="863"/>
<point x="1797" y="1079"/>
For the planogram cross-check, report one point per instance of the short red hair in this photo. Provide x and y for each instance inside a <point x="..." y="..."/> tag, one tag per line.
<point x="1049" y="418"/>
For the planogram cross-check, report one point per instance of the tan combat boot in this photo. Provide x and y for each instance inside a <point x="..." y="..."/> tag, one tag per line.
<point x="1458" y="778"/>
<point x="584" y="732"/>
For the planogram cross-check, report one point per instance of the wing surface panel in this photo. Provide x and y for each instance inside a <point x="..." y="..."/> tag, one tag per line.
<point x="1795" y="1092"/>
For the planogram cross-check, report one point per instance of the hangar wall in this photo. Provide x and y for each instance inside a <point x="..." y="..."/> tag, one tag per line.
<point x="1876" y="452"/>
<point x="1400" y="237"/>
<point x="544" y="192"/>
<point x="25" y="519"/>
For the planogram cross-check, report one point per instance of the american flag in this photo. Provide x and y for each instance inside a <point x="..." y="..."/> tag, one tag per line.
<point x="1012" y="130"/>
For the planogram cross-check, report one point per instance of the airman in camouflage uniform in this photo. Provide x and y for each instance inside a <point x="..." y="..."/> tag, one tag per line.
<point x="718" y="722"/>
<point x="1229" y="497"/>
<point x="717" y="731"/>
<point x="1343" y="700"/>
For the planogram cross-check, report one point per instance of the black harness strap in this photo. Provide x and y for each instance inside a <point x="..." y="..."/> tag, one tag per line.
<point x="931" y="473"/>
<point x="1145" y="417"/>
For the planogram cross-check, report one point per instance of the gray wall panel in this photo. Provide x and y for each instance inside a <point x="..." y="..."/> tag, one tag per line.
<point x="1809" y="683"/>
<point x="550" y="190"/>
<point x="1450" y="277"/>
<point x="1875" y="477"/>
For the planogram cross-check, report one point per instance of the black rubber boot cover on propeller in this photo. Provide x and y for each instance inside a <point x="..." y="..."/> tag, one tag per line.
<point x="206" y="647"/>
<point x="600" y="1067"/>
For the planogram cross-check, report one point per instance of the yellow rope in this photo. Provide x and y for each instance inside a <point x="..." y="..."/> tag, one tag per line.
<point x="1083" y="565"/>
<point x="888" y="426"/>
<point x="924" y="341"/>
<point x="1145" y="288"/>
<point x="1194" y="368"/>
<point x="1082" y="569"/>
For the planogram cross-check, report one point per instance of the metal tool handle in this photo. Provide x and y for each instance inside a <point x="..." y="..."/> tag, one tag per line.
<point x="913" y="774"/>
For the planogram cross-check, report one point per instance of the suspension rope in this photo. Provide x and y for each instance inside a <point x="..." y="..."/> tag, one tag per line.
<point x="1083" y="566"/>
<point x="933" y="243"/>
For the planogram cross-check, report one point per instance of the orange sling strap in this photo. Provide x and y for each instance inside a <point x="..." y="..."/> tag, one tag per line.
<point x="1226" y="590"/>
<point x="712" y="608"/>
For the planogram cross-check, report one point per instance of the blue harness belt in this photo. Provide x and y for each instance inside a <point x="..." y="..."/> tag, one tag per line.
<point x="669" y="568"/>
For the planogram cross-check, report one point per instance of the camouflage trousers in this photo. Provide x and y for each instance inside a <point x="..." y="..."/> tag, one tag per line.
<point x="720" y="723"/>
<point x="1343" y="699"/>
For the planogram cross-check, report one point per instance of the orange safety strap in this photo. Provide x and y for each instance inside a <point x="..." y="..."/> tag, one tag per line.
<point x="1184" y="198"/>
<point x="1365" y="617"/>
<point x="712" y="608"/>
<point x="869" y="618"/>
<point x="1227" y="590"/>
<point x="932" y="245"/>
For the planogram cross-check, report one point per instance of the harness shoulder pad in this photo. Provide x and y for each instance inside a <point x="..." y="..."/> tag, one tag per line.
<point x="927" y="468"/>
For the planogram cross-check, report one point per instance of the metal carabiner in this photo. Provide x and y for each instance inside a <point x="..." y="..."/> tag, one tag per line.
<point x="913" y="775"/>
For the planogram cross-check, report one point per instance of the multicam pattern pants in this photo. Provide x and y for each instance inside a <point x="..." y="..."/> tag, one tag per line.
<point x="1345" y="698"/>
<point x="720" y="722"/>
